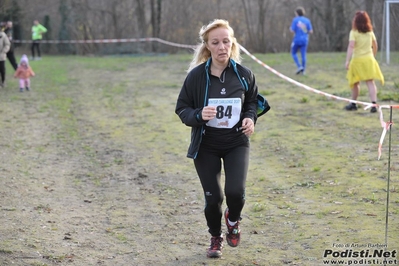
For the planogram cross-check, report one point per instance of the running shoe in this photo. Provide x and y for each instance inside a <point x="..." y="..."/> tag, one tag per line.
<point x="233" y="232"/>
<point x="351" y="107"/>
<point x="299" y="70"/>
<point x="215" y="249"/>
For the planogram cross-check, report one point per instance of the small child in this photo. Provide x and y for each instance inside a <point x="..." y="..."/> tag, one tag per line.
<point x="24" y="72"/>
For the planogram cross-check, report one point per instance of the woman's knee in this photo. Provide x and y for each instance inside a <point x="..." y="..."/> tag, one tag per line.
<point x="213" y="200"/>
<point x="236" y="195"/>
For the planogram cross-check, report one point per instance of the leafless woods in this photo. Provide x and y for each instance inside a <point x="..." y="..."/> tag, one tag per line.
<point x="260" y="25"/>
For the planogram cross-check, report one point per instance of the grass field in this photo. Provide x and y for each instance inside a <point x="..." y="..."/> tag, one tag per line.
<point x="93" y="168"/>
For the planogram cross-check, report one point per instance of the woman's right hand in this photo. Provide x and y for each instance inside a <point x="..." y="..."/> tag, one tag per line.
<point x="208" y="112"/>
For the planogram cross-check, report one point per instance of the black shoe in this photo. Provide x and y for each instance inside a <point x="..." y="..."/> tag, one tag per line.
<point x="351" y="107"/>
<point x="373" y="109"/>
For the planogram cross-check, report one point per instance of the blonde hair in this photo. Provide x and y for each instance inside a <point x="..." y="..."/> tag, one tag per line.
<point x="202" y="54"/>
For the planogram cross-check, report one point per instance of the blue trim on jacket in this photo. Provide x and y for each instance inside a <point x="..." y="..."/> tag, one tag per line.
<point x="199" y="79"/>
<point x="208" y="82"/>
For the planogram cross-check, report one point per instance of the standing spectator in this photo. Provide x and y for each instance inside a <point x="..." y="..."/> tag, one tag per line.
<point x="218" y="101"/>
<point x="360" y="59"/>
<point x="301" y="27"/>
<point x="10" y="54"/>
<point x="37" y="35"/>
<point x="24" y="72"/>
<point x="4" y="47"/>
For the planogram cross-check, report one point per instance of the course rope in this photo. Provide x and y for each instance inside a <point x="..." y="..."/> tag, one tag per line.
<point x="112" y="41"/>
<point x="385" y="125"/>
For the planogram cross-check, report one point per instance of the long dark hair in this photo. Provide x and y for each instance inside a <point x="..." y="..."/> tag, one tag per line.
<point x="362" y="22"/>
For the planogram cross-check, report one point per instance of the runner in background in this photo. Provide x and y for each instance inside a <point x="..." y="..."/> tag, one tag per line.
<point x="301" y="27"/>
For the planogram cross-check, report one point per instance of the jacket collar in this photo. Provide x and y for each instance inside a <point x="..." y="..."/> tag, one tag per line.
<point x="231" y="63"/>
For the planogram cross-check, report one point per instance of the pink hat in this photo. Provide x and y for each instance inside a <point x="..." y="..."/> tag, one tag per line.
<point x="25" y="59"/>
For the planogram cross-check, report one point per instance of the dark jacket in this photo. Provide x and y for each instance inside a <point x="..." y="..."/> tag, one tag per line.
<point x="194" y="96"/>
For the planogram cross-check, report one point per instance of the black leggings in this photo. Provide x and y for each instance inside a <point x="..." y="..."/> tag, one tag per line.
<point x="35" y="44"/>
<point x="3" y="71"/>
<point x="209" y="165"/>
<point x="11" y="58"/>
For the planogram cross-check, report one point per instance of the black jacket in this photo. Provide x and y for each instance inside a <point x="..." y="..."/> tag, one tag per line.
<point x="194" y="96"/>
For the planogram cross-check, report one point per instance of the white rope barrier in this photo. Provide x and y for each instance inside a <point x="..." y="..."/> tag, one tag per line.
<point x="384" y="125"/>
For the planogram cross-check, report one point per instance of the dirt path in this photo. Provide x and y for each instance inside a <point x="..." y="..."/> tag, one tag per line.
<point x="78" y="186"/>
<point x="93" y="172"/>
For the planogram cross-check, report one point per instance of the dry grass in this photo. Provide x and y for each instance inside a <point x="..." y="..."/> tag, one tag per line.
<point x="97" y="144"/>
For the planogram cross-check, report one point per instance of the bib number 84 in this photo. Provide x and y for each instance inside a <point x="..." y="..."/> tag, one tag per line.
<point x="222" y="112"/>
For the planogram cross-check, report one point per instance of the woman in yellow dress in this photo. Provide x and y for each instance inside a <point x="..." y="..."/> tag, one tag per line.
<point x="360" y="59"/>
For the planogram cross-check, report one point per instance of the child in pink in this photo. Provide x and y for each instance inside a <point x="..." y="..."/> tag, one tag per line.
<point x="24" y="72"/>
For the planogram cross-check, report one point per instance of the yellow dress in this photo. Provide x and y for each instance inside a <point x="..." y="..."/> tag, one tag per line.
<point x="363" y="65"/>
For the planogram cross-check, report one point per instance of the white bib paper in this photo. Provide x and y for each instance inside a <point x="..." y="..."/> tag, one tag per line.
<point x="228" y="112"/>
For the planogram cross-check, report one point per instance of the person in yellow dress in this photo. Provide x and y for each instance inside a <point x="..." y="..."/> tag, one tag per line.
<point x="360" y="59"/>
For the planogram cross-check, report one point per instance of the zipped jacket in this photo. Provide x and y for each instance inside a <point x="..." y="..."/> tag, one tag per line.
<point x="4" y="46"/>
<point x="9" y="33"/>
<point x="37" y="32"/>
<point x="194" y="96"/>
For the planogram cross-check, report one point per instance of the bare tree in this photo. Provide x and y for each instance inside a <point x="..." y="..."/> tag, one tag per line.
<point x="330" y="13"/>
<point x="260" y="25"/>
<point x="255" y="17"/>
<point x="156" y="8"/>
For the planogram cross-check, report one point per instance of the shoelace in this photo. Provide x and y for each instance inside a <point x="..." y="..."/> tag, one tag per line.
<point x="216" y="243"/>
<point x="234" y="229"/>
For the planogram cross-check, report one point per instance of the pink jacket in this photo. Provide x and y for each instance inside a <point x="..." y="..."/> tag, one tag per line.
<point x="24" y="72"/>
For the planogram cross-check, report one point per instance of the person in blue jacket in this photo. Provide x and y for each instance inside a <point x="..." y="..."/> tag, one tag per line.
<point x="301" y="27"/>
<point x="218" y="100"/>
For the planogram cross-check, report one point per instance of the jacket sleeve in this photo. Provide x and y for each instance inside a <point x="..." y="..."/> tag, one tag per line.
<point x="42" y="29"/>
<point x="31" y="72"/>
<point x="251" y="102"/>
<point x="6" y="45"/>
<point x="187" y="107"/>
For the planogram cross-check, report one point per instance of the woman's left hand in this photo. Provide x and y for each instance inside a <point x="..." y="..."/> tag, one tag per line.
<point x="248" y="126"/>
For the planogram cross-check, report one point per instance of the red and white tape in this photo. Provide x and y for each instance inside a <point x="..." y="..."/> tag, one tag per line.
<point x="112" y="41"/>
<point x="385" y="125"/>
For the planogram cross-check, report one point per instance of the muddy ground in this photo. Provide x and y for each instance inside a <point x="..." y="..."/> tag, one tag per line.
<point x="93" y="168"/>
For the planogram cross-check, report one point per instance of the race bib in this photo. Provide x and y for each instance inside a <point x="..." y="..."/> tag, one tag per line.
<point x="228" y="112"/>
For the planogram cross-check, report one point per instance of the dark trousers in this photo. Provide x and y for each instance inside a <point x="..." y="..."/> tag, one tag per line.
<point x="3" y="71"/>
<point x="209" y="165"/>
<point x="11" y="58"/>
<point x="35" y="45"/>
